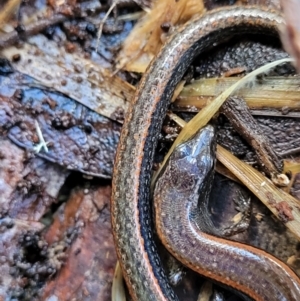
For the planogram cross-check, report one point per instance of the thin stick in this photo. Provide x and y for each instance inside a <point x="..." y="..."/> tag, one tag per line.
<point x="203" y="117"/>
<point x="102" y="23"/>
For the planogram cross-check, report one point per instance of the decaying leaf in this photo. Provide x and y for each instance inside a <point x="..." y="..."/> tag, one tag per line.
<point x="73" y="75"/>
<point x="150" y="33"/>
<point x="78" y="138"/>
<point x="10" y="251"/>
<point x="88" y="267"/>
<point x="29" y="185"/>
<point x="8" y="10"/>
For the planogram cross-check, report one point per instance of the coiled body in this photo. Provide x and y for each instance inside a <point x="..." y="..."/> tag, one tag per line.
<point x="130" y="206"/>
<point x="181" y="193"/>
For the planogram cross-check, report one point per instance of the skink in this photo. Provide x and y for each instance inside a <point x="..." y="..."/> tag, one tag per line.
<point x="130" y="206"/>
<point x="182" y="221"/>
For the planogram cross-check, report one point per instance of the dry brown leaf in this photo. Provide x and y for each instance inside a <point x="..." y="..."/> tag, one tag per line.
<point x="88" y="270"/>
<point x="147" y="37"/>
<point x="8" y="10"/>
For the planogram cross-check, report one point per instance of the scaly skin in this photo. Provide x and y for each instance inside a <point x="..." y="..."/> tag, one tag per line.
<point x="182" y="191"/>
<point x="130" y="205"/>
